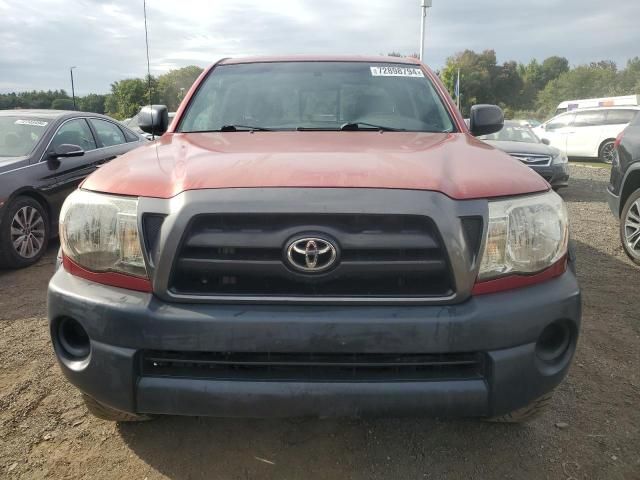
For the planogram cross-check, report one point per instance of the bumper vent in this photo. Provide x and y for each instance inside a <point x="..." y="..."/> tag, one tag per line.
<point x="243" y="255"/>
<point x="308" y="367"/>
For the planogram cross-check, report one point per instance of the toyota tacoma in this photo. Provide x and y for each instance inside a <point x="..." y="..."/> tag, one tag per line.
<point x="317" y="236"/>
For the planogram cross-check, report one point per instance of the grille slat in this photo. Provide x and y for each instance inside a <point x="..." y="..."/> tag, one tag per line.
<point x="309" y="367"/>
<point x="244" y="254"/>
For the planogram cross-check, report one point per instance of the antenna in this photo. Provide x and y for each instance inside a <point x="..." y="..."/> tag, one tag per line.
<point x="146" y="39"/>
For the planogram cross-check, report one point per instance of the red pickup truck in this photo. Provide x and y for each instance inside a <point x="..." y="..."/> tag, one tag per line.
<point x="315" y="236"/>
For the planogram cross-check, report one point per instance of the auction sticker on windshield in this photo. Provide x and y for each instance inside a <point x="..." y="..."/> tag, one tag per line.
<point x="396" y="72"/>
<point x="33" y="123"/>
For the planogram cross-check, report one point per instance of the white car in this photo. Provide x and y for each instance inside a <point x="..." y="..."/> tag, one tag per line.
<point x="588" y="132"/>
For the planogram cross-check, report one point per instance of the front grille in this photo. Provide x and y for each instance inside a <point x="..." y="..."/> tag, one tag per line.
<point x="309" y="367"/>
<point x="532" y="159"/>
<point x="243" y="255"/>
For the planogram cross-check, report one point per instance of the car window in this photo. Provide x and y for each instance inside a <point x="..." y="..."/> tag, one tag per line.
<point x="560" y="121"/>
<point x="74" y="132"/>
<point x="316" y="95"/>
<point x="620" y="117"/>
<point x="589" y="119"/>
<point x="513" y="133"/>
<point x="130" y="136"/>
<point x="19" y="136"/>
<point x="109" y="134"/>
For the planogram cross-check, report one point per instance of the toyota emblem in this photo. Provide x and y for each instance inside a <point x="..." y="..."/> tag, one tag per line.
<point x="311" y="254"/>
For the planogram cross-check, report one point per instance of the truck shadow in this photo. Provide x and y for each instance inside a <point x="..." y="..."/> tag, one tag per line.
<point x="206" y="448"/>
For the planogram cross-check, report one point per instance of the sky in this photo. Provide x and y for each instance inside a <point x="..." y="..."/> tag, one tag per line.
<point x="41" y="39"/>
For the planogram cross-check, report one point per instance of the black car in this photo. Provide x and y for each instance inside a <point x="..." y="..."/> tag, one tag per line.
<point x="521" y="142"/>
<point x="44" y="155"/>
<point x="624" y="188"/>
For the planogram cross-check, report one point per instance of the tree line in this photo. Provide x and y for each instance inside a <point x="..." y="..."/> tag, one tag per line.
<point x="535" y="89"/>
<point x="531" y="90"/>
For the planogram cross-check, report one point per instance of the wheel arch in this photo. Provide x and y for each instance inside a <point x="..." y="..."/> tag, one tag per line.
<point x="631" y="184"/>
<point x="38" y="197"/>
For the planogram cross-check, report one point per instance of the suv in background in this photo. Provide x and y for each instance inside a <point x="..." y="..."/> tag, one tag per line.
<point x="624" y="188"/>
<point x="589" y="132"/>
<point x="315" y="236"/>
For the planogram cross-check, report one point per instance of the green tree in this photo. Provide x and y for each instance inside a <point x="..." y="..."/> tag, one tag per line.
<point x="92" y="103"/>
<point x="62" y="104"/>
<point x="173" y="85"/>
<point x="128" y="96"/>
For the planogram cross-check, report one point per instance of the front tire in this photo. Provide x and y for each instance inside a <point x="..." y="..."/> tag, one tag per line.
<point x="24" y="233"/>
<point x="525" y="413"/>
<point x="607" y="151"/>
<point x="630" y="227"/>
<point x="104" y="412"/>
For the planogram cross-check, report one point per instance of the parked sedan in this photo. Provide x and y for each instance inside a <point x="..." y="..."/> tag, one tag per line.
<point x="520" y="142"/>
<point x="44" y="155"/>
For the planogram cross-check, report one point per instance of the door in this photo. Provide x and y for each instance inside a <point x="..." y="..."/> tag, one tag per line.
<point x="556" y="130"/>
<point x="585" y="134"/>
<point x="60" y="176"/>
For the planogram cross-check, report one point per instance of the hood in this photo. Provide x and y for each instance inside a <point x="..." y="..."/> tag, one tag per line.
<point x="455" y="164"/>
<point x="523" y="147"/>
<point x="11" y="163"/>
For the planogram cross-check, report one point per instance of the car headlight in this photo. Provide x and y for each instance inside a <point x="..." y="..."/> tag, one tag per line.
<point x="560" y="158"/>
<point x="100" y="233"/>
<point x="525" y="235"/>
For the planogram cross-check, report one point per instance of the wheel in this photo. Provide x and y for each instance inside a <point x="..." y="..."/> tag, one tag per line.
<point x="24" y="233"/>
<point x="607" y="151"/>
<point x="525" y="413"/>
<point x="630" y="227"/>
<point x="104" y="412"/>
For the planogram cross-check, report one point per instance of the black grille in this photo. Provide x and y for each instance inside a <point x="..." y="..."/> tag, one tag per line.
<point x="308" y="367"/>
<point x="380" y="256"/>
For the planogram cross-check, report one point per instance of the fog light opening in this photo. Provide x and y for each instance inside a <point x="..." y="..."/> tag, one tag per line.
<point x="73" y="339"/>
<point x="554" y="341"/>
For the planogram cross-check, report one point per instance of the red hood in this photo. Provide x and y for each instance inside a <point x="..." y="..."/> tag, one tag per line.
<point x="455" y="164"/>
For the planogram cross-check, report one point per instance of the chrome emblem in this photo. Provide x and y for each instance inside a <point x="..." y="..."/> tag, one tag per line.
<point x="311" y="255"/>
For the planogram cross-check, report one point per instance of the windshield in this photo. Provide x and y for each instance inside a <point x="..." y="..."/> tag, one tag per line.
<point x="317" y="95"/>
<point x="513" y="133"/>
<point x="19" y="135"/>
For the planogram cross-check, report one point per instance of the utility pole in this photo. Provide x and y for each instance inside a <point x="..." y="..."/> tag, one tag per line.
<point x="73" y="91"/>
<point x="425" y="4"/>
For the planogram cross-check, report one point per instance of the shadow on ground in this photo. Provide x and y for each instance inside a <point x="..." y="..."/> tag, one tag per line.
<point x="194" y="448"/>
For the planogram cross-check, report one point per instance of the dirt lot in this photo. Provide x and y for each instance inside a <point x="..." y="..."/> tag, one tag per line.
<point x="592" y="431"/>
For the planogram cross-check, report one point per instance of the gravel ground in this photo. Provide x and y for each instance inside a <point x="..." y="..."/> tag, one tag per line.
<point x="592" y="430"/>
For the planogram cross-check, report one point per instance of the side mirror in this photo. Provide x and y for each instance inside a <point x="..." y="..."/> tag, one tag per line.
<point x="545" y="141"/>
<point x="485" y="119"/>
<point x="154" y="119"/>
<point x="66" y="150"/>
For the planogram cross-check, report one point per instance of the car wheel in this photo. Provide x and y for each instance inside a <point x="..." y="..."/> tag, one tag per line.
<point x="630" y="227"/>
<point x="104" y="412"/>
<point x="24" y="233"/>
<point x="525" y="413"/>
<point x="607" y="152"/>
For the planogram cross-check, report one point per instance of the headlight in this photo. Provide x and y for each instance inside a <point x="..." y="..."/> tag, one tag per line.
<point x="560" y="158"/>
<point x="100" y="233"/>
<point x="525" y="235"/>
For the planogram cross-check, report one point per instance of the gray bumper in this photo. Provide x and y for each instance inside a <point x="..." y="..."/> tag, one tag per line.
<point x="614" y="203"/>
<point x="503" y="327"/>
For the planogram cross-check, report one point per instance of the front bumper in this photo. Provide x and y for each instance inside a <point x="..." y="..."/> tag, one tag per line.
<point x="502" y="327"/>
<point x="556" y="174"/>
<point x="614" y="202"/>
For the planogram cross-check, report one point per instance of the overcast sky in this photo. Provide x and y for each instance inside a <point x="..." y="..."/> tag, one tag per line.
<point x="40" y="39"/>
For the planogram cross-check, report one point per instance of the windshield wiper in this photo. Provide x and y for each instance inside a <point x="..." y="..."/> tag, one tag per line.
<point x="237" y="128"/>
<point x="356" y="126"/>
